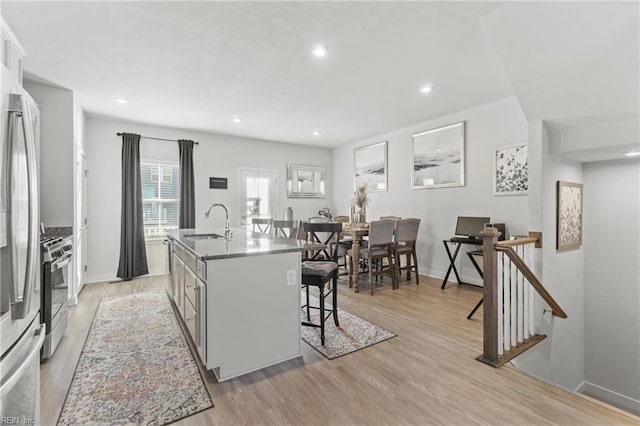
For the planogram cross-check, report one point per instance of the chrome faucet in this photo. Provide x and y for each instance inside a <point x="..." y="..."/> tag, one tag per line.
<point x="227" y="228"/>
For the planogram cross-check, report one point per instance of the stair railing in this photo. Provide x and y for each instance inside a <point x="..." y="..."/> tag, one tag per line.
<point x="509" y="286"/>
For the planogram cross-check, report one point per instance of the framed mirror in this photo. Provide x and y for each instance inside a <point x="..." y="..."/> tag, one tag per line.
<point x="305" y="181"/>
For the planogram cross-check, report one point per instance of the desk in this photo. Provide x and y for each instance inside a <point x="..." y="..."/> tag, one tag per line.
<point x="452" y="258"/>
<point x="356" y="234"/>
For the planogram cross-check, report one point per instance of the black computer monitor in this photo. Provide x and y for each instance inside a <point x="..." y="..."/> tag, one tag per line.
<point x="471" y="226"/>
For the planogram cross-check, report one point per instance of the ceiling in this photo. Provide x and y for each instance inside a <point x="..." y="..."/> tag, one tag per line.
<point x="196" y="65"/>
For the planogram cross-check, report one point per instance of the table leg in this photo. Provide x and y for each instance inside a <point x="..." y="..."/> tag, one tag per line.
<point x="355" y="264"/>
<point x="452" y="260"/>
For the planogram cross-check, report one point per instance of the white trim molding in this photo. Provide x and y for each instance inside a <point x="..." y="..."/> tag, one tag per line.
<point x="610" y="397"/>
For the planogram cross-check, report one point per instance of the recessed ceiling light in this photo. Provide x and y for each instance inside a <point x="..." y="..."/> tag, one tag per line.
<point x="316" y="133"/>
<point x="319" y="51"/>
<point x="425" y="89"/>
<point x="633" y="154"/>
<point x="237" y="119"/>
<point x="121" y="100"/>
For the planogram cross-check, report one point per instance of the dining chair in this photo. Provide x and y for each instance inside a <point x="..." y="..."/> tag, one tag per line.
<point x="341" y="219"/>
<point x="262" y="225"/>
<point x="344" y="244"/>
<point x="405" y="244"/>
<point x="319" y="268"/>
<point x="286" y="228"/>
<point x="380" y="247"/>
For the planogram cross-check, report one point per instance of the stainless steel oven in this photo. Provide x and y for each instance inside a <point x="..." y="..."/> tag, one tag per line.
<point x="56" y="266"/>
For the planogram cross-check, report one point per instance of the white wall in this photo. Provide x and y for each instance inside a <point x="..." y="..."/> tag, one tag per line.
<point x="612" y="281"/>
<point x="558" y="359"/>
<point x="487" y="126"/>
<point x="56" y="153"/>
<point x="217" y="155"/>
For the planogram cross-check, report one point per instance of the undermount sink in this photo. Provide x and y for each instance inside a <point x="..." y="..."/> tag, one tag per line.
<point x="203" y="236"/>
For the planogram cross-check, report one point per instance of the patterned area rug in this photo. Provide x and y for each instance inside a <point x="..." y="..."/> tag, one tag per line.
<point x="135" y="367"/>
<point x="353" y="334"/>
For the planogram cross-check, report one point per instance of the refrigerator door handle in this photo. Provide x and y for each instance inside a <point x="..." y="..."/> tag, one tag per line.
<point x="20" y="108"/>
<point x="8" y="384"/>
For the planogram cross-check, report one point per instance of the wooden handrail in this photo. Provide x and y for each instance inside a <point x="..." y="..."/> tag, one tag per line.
<point x="516" y="242"/>
<point x="556" y="310"/>
<point x="498" y="314"/>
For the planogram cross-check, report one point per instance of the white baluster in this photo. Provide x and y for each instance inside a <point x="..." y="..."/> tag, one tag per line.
<point x="507" y="301"/>
<point x="500" y="306"/>
<point x="529" y="260"/>
<point x="526" y="295"/>
<point x="520" y="283"/>
<point x="514" y="303"/>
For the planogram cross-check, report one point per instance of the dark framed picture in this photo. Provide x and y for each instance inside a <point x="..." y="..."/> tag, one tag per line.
<point x="569" y="215"/>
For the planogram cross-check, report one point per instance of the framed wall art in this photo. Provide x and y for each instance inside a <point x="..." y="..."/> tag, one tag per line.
<point x="370" y="167"/>
<point x="438" y="157"/>
<point x="511" y="170"/>
<point x="569" y="215"/>
<point x="305" y="181"/>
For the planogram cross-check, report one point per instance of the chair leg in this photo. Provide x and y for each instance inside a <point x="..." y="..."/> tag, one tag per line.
<point x="371" y="284"/>
<point x="335" y="302"/>
<point x="408" y="255"/>
<point x="415" y="263"/>
<point x="322" y="315"/>
<point x="397" y="270"/>
<point x="308" y="308"/>
<point x="393" y="272"/>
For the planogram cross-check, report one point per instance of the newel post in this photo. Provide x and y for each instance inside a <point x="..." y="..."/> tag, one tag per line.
<point x="490" y="282"/>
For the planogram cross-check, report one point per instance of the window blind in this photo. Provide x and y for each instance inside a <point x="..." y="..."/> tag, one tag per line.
<point x="160" y="198"/>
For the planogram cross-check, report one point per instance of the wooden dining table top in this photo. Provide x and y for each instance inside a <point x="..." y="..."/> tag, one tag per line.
<point x="353" y="230"/>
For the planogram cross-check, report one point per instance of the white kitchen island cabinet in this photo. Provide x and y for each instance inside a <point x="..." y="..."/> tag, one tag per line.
<point x="239" y="299"/>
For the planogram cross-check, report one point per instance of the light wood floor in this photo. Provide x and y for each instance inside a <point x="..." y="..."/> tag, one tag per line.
<point x="425" y="375"/>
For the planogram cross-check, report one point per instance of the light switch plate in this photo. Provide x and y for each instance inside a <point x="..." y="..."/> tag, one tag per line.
<point x="291" y="277"/>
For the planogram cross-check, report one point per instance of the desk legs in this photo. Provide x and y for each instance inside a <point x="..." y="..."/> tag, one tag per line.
<point x="355" y="264"/>
<point x="452" y="265"/>
<point x="473" y="260"/>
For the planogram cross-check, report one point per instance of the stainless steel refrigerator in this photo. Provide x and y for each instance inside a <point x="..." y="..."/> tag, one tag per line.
<point x="21" y="334"/>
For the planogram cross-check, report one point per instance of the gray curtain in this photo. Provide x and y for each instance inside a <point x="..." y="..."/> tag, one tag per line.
<point x="133" y="254"/>
<point x="187" y="217"/>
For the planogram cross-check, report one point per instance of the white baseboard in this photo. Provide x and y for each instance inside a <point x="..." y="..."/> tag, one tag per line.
<point x="93" y="279"/>
<point x="452" y="277"/>
<point x="609" y="396"/>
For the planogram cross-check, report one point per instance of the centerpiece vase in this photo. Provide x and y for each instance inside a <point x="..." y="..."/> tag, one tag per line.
<point x="358" y="214"/>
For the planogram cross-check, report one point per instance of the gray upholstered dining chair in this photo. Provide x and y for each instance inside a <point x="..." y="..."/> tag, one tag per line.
<point x="380" y="247"/>
<point x="405" y="244"/>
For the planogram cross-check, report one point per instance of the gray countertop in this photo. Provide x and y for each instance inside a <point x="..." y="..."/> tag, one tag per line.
<point x="244" y="243"/>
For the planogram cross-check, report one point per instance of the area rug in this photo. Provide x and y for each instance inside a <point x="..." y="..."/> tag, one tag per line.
<point x="353" y="334"/>
<point x="135" y="367"/>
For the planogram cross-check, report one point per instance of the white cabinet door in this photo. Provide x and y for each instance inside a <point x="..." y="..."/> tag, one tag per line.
<point x="201" y="331"/>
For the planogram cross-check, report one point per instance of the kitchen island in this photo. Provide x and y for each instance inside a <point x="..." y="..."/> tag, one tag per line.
<point x="239" y="298"/>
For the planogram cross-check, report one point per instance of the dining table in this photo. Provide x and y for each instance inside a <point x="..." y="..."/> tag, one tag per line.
<point x="357" y="232"/>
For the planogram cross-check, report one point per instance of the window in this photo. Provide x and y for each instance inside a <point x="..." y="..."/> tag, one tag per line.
<point x="258" y="193"/>
<point x="160" y="198"/>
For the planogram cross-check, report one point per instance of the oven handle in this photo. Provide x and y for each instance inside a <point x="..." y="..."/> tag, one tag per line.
<point x="62" y="262"/>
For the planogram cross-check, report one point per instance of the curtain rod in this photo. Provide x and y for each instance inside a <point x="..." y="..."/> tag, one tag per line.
<point x="158" y="139"/>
